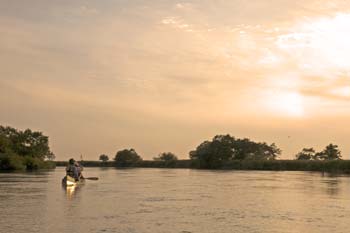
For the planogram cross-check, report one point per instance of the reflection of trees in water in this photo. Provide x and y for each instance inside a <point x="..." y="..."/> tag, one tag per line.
<point x="333" y="187"/>
<point x="332" y="182"/>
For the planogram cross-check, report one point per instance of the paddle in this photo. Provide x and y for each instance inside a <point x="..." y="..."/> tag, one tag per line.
<point x="91" y="178"/>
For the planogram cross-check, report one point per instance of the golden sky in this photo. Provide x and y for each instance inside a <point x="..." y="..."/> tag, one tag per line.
<point x="100" y="76"/>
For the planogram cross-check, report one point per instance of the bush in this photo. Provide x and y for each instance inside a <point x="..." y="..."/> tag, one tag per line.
<point x="24" y="149"/>
<point x="225" y="148"/>
<point x="11" y="162"/>
<point x="48" y="165"/>
<point x="104" y="158"/>
<point x="126" y="158"/>
<point x="165" y="156"/>
<point x="33" y="163"/>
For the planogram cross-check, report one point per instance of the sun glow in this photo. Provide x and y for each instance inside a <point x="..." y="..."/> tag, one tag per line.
<point x="285" y="103"/>
<point x="341" y="91"/>
<point x="319" y="45"/>
<point x="314" y="47"/>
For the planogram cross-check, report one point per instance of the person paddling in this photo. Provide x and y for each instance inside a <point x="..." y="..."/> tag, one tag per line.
<point x="79" y="170"/>
<point x="72" y="170"/>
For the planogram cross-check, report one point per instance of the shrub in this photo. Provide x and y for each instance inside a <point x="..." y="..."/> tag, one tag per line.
<point x="11" y="162"/>
<point x="125" y="158"/>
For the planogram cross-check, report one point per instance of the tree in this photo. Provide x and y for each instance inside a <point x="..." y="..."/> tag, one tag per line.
<point x="211" y="154"/>
<point x="127" y="157"/>
<point x="223" y="148"/>
<point x="331" y="152"/>
<point x="306" y="154"/>
<point x="269" y="152"/>
<point x="104" y="158"/>
<point x="23" y="149"/>
<point x="166" y="156"/>
<point x="26" y="143"/>
<point x="247" y="149"/>
<point x="4" y="144"/>
<point x="51" y="156"/>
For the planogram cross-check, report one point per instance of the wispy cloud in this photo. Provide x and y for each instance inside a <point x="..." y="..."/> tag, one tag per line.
<point x="184" y="6"/>
<point x="178" y="23"/>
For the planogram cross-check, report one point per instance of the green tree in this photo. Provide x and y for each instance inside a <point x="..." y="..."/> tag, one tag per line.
<point x="269" y="152"/>
<point x="306" y="154"/>
<point x="166" y="156"/>
<point x="331" y="152"/>
<point x="127" y="157"/>
<point x="51" y="156"/>
<point x="27" y="142"/>
<point x="223" y="148"/>
<point x="247" y="149"/>
<point x="26" y="148"/>
<point x="4" y="144"/>
<point x="104" y="158"/>
<point x="212" y="154"/>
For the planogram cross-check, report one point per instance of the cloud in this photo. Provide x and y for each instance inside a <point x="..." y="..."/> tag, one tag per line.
<point x="184" y="6"/>
<point x="178" y="23"/>
<point x="179" y="5"/>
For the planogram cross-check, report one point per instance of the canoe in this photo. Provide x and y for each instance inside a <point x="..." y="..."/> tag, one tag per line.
<point x="69" y="181"/>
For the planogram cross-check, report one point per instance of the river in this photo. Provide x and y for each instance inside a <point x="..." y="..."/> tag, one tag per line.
<point x="175" y="201"/>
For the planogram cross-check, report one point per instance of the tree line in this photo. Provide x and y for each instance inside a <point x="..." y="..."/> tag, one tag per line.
<point x="225" y="148"/>
<point x="30" y="149"/>
<point x="128" y="157"/>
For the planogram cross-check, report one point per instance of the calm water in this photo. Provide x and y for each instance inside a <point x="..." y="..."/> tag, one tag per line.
<point x="183" y="201"/>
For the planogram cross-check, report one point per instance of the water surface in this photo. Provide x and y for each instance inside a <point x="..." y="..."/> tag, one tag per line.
<point x="175" y="200"/>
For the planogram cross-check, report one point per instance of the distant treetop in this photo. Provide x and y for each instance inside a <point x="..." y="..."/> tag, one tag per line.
<point x="104" y="158"/>
<point x="166" y="156"/>
<point x="331" y="152"/>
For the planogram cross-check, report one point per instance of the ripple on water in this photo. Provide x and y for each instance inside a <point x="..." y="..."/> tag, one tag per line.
<point x="175" y="201"/>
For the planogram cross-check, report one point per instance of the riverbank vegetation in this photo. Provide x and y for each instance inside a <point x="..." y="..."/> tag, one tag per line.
<point x="227" y="152"/>
<point x="29" y="149"/>
<point x="331" y="152"/>
<point x="26" y="149"/>
<point x="166" y="156"/>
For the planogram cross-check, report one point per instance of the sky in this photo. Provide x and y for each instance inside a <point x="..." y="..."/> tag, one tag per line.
<point x="163" y="76"/>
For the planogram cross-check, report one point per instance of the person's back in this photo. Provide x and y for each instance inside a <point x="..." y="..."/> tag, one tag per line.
<point x="71" y="170"/>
